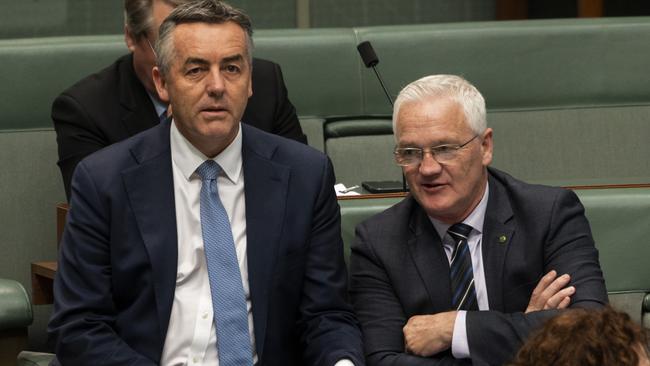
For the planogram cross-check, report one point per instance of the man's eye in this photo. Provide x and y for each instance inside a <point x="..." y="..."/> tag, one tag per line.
<point x="408" y="153"/>
<point x="444" y="149"/>
<point x="232" y="69"/>
<point x="193" y="71"/>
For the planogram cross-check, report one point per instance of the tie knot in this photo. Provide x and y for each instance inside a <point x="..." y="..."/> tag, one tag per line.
<point x="209" y="170"/>
<point x="459" y="231"/>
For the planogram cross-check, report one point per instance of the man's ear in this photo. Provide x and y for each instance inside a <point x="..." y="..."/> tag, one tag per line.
<point x="487" y="146"/>
<point x="161" y="84"/>
<point x="250" y="79"/>
<point x="129" y="39"/>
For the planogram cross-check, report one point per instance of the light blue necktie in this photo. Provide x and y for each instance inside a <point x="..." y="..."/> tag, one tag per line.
<point x="228" y="299"/>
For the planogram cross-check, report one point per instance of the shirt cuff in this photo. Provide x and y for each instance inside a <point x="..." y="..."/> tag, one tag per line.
<point x="459" y="345"/>
<point x="344" y="362"/>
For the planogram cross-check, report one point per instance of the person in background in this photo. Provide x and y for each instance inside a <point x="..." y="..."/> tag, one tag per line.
<point x="204" y="240"/>
<point x="121" y="100"/>
<point x="473" y="259"/>
<point x="580" y="337"/>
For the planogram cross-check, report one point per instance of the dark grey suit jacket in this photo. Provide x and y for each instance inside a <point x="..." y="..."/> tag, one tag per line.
<point x="399" y="269"/>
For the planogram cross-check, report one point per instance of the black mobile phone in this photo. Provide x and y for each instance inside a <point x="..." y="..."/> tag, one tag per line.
<point x="383" y="186"/>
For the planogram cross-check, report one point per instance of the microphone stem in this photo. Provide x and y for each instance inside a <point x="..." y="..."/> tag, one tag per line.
<point x="383" y="86"/>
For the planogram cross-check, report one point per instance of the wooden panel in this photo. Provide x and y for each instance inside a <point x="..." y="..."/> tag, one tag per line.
<point x="61" y="213"/>
<point x="511" y="9"/>
<point x="12" y="342"/>
<point x="42" y="280"/>
<point x="590" y="8"/>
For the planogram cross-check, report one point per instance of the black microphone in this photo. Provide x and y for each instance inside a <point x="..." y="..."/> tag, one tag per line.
<point x="370" y="59"/>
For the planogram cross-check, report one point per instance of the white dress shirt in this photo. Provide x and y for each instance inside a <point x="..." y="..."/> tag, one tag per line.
<point x="459" y="344"/>
<point x="191" y="335"/>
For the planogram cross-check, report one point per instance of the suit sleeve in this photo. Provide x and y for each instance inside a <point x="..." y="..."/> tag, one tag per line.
<point x="380" y="312"/>
<point x="285" y="122"/>
<point x="329" y="330"/>
<point x="84" y="311"/>
<point x="75" y="136"/>
<point x="495" y="337"/>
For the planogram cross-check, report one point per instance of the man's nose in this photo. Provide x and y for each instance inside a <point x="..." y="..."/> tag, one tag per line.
<point x="429" y="165"/>
<point x="215" y="85"/>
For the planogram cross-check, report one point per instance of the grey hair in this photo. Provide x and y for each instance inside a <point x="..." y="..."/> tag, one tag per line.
<point x="446" y="86"/>
<point x="203" y="11"/>
<point x="138" y="15"/>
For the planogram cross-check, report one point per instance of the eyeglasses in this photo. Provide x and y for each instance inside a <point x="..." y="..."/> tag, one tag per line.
<point x="150" y="46"/>
<point x="405" y="156"/>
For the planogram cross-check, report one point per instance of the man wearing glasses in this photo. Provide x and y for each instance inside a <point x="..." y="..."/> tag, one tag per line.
<point x="472" y="260"/>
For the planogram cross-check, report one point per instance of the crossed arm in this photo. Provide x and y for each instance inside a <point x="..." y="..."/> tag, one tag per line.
<point x="427" y="335"/>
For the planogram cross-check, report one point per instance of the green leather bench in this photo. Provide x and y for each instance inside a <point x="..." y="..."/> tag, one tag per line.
<point x="620" y="223"/>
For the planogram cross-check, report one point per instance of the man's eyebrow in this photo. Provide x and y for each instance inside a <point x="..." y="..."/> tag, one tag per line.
<point x="235" y="58"/>
<point x="195" y="61"/>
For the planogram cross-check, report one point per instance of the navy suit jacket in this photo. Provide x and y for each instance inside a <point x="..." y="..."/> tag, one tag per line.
<point x="399" y="269"/>
<point x="112" y="105"/>
<point x="117" y="265"/>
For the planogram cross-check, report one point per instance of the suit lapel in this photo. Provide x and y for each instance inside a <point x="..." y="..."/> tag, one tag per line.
<point x="265" y="186"/>
<point x="138" y="112"/>
<point x="150" y="189"/>
<point x="430" y="259"/>
<point x="498" y="231"/>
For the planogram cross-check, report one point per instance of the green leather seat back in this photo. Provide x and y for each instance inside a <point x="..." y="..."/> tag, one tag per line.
<point x="620" y="221"/>
<point x="320" y="67"/>
<point x="520" y="64"/>
<point x="36" y="71"/>
<point x="361" y="149"/>
<point x="354" y="211"/>
<point x="590" y="145"/>
<point x="15" y="308"/>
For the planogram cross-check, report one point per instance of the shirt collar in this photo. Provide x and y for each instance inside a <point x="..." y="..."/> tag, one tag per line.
<point x="475" y="219"/>
<point x="157" y="104"/>
<point x="188" y="158"/>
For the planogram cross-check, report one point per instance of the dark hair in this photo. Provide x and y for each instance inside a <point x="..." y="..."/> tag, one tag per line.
<point x="138" y="15"/>
<point x="580" y="337"/>
<point x="203" y="11"/>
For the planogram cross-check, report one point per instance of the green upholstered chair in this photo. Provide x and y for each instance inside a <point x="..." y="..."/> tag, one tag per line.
<point x="361" y="149"/>
<point x="620" y="222"/>
<point x="27" y="358"/>
<point x="15" y="317"/>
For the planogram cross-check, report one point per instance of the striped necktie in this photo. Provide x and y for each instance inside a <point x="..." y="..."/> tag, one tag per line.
<point x="462" y="276"/>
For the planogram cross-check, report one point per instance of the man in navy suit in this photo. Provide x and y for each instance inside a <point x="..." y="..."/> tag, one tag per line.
<point x="473" y="259"/>
<point x="136" y="284"/>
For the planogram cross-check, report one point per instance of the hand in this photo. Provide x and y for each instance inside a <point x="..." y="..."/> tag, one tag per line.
<point x="426" y="335"/>
<point x="551" y="293"/>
